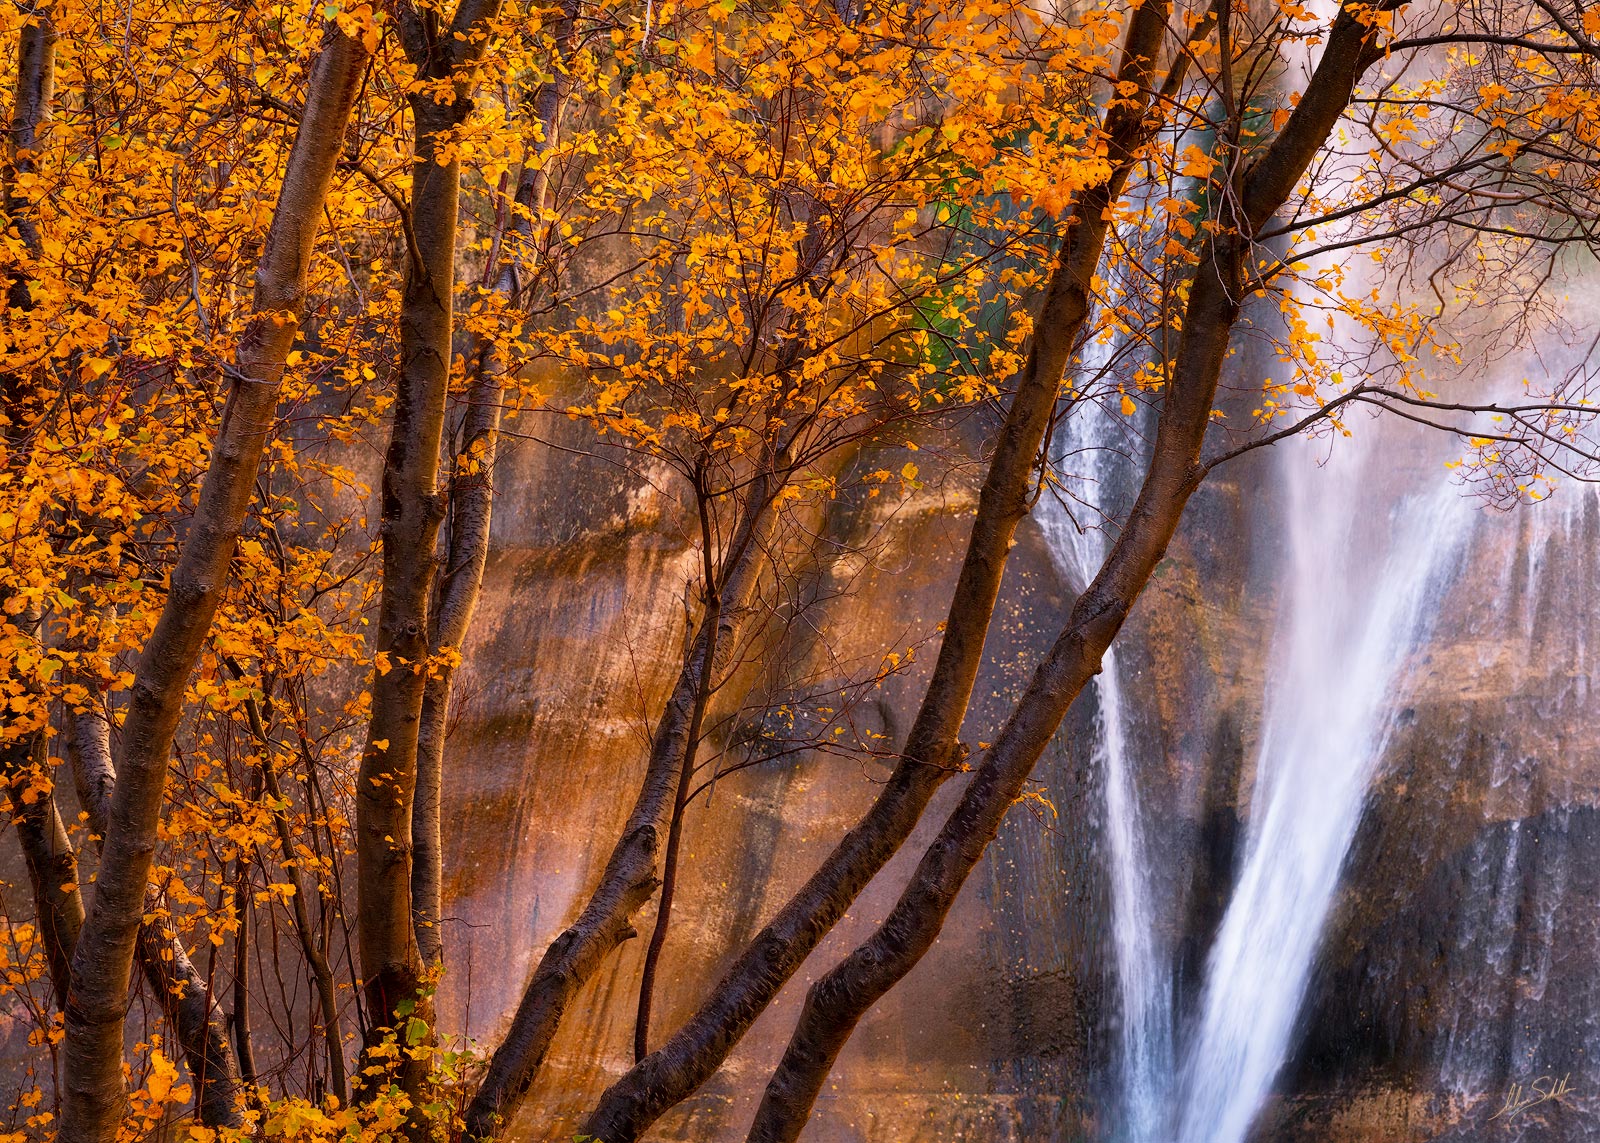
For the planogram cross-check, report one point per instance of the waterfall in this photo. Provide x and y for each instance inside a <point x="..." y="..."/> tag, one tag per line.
<point x="1359" y="598"/>
<point x="1084" y="458"/>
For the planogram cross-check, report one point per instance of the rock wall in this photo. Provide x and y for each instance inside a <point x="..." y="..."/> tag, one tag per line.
<point x="1478" y="831"/>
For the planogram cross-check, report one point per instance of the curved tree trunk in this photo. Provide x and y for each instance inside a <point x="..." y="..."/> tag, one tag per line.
<point x="630" y="876"/>
<point x="693" y="1054"/>
<point x="197" y="1024"/>
<point x="53" y="874"/>
<point x="837" y="1002"/>
<point x="52" y="862"/>
<point x="92" y="1096"/>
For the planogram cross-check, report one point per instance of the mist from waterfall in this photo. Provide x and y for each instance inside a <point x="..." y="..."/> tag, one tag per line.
<point x="1359" y="598"/>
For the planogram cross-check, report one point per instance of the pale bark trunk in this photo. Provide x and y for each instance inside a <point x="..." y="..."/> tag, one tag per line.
<point x="36" y="75"/>
<point x="198" y="1026"/>
<point x="53" y="873"/>
<point x="391" y="967"/>
<point x="52" y="863"/>
<point x="836" y="1003"/>
<point x="693" y="1054"/>
<point x="470" y="510"/>
<point x="92" y="1096"/>
<point x="630" y="876"/>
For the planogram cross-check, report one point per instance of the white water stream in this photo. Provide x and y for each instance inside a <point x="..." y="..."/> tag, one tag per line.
<point x="1085" y="458"/>
<point x="1362" y="585"/>
<point x="1359" y="600"/>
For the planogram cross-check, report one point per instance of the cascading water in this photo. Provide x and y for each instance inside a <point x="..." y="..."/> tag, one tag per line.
<point x="1351" y="621"/>
<point x="1085" y="458"/>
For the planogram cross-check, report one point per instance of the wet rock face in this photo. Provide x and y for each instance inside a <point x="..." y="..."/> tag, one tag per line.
<point x="578" y="637"/>
<point x="1479" y="979"/>
<point x="1458" y="979"/>
<point x="1461" y="917"/>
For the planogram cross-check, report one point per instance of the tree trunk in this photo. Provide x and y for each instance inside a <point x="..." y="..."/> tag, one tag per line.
<point x="391" y="967"/>
<point x="836" y="1003"/>
<point x="52" y="863"/>
<point x="197" y="1024"/>
<point x="630" y="876"/>
<point x="470" y="510"/>
<point x="92" y="1097"/>
<point x="693" y="1054"/>
<point x="36" y="77"/>
<point x="240" y="1019"/>
<point x="669" y="885"/>
<point x="711" y="621"/>
<point x="412" y="510"/>
<point x="53" y="873"/>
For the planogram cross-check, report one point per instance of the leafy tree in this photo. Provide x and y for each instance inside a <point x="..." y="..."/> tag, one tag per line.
<point x="280" y="281"/>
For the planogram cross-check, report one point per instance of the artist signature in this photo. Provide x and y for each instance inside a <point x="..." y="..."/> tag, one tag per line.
<point x="1542" y="1090"/>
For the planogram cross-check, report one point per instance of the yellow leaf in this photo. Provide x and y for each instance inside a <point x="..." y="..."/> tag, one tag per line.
<point x="1128" y="407"/>
<point x="163" y="1073"/>
<point x="1196" y="163"/>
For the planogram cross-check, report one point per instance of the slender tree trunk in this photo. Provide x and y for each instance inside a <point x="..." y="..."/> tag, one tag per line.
<point x="669" y="885"/>
<point x="92" y="1097"/>
<point x="52" y="863"/>
<point x="837" y="1002"/>
<point x="197" y="1023"/>
<point x="412" y="508"/>
<point x="391" y="966"/>
<point x="630" y="876"/>
<point x="693" y="1054"/>
<point x="30" y="108"/>
<point x="470" y="510"/>
<point x="198" y="1026"/>
<point x="53" y="873"/>
<point x="240" y="1020"/>
<point x="711" y="621"/>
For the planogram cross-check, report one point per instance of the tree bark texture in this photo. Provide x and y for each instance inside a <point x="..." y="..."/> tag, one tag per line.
<point x="391" y="967"/>
<point x="695" y="1051"/>
<point x="198" y="1025"/>
<point x="836" y="1003"/>
<point x="469" y="512"/>
<point x="52" y="862"/>
<point x="30" y="108"/>
<point x="92" y="1095"/>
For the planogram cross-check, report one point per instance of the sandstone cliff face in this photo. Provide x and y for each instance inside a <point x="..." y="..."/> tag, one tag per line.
<point x="1461" y="957"/>
<point x="579" y="637"/>
<point x="1001" y="1032"/>
<point x="1458" y="961"/>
